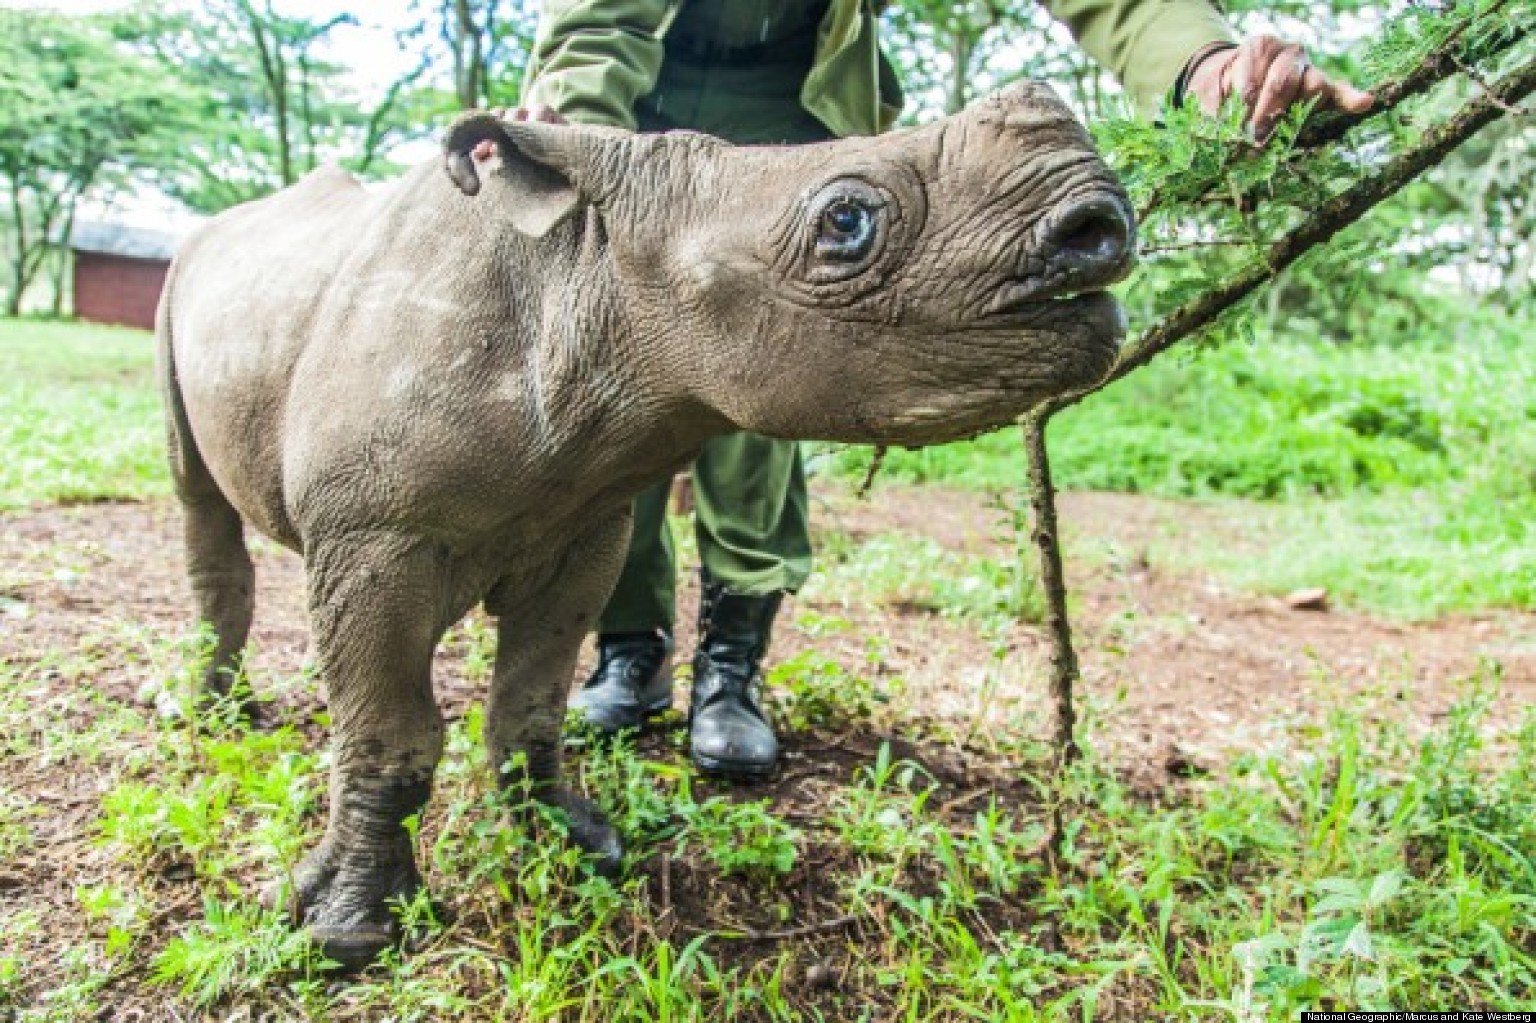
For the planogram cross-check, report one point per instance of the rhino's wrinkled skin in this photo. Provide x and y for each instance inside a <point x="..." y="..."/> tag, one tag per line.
<point x="447" y="392"/>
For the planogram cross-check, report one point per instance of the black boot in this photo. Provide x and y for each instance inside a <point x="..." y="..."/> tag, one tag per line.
<point x="728" y="730"/>
<point x="633" y="680"/>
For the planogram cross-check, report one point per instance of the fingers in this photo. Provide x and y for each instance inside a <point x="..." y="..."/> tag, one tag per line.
<point x="486" y="149"/>
<point x="1278" y="88"/>
<point x="1270" y="76"/>
<point x="1211" y="80"/>
<point x="540" y="113"/>
<point x="1248" y="69"/>
<point x="1341" y="94"/>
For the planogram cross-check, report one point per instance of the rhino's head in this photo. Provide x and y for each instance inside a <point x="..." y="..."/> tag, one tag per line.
<point x="908" y="289"/>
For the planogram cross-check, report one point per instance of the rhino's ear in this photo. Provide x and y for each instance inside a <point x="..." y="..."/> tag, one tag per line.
<point x="545" y="193"/>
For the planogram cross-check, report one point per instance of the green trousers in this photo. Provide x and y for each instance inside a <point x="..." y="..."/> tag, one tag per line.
<point x="751" y="517"/>
<point x="751" y="510"/>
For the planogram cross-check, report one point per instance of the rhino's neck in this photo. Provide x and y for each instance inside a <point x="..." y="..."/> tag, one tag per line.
<point x="608" y="392"/>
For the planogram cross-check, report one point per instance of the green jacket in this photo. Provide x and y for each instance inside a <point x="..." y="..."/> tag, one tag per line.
<point x="594" y="59"/>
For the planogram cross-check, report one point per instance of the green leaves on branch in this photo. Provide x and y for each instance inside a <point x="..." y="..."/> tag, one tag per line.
<point x="1222" y="218"/>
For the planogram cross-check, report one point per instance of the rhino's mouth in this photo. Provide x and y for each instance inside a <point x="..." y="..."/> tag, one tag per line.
<point x="1077" y="253"/>
<point x="1019" y="306"/>
<point x="1034" y="298"/>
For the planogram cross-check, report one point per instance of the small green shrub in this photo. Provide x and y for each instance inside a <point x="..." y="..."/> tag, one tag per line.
<point x="739" y="838"/>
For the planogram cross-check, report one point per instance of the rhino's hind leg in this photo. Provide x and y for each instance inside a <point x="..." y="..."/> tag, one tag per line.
<point x="538" y="641"/>
<point x="218" y="565"/>
<point x="223" y="581"/>
<point x="378" y="605"/>
<point x="224" y="585"/>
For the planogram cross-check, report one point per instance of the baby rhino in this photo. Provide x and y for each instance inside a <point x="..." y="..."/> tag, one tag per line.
<point x="447" y="392"/>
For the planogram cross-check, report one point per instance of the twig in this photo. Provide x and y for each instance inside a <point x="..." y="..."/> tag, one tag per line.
<point x="1482" y="82"/>
<point x="1064" y="666"/>
<point x="875" y="464"/>
<point x="1197" y="243"/>
<point x="967" y="799"/>
<point x="791" y="933"/>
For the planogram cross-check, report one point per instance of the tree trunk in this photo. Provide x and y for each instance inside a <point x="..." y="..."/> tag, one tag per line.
<point x="468" y="46"/>
<point x="960" y="45"/>
<point x="306" y="112"/>
<point x="19" y="262"/>
<point x="62" y="262"/>
<point x="275" y="74"/>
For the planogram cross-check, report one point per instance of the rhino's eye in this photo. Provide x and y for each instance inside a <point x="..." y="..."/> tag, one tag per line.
<point x="846" y="231"/>
<point x="843" y="232"/>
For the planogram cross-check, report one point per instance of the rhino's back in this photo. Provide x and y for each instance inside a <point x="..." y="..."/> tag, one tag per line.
<point x="253" y="292"/>
<point x="337" y="348"/>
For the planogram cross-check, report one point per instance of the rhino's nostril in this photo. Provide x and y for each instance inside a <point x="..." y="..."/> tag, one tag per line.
<point x="1092" y="233"/>
<point x="1099" y="237"/>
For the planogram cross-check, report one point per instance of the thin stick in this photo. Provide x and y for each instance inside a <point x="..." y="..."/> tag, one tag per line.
<point x="789" y="934"/>
<point x="1064" y="667"/>
<point x="876" y="462"/>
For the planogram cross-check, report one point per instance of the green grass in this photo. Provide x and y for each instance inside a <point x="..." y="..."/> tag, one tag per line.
<point x="79" y="415"/>
<point x="1345" y="867"/>
<point x="1410" y="554"/>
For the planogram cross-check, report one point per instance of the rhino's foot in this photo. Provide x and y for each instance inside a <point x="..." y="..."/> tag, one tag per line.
<point x="345" y="901"/>
<point x="588" y="829"/>
<point x="229" y="700"/>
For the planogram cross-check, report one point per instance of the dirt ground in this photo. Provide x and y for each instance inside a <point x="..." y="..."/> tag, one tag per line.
<point x="1178" y="675"/>
<point x="1175" y="667"/>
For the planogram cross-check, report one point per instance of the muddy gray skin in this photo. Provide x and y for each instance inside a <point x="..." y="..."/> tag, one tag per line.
<point x="447" y="392"/>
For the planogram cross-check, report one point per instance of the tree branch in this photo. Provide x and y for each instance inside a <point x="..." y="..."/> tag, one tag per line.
<point x="1326" y="128"/>
<point x="1436" y="66"/>
<point x="1328" y="220"/>
<point x="1343" y="209"/>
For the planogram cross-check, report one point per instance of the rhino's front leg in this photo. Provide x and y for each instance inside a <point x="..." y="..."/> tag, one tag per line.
<point x="538" y="641"/>
<point x="377" y="605"/>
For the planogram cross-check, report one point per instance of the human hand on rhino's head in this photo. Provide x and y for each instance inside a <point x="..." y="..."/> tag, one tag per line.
<point x="485" y="149"/>
<point x="908" y="288"/>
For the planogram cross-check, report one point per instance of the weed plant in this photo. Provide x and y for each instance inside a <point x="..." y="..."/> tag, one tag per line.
<point x="1357" y="863"/>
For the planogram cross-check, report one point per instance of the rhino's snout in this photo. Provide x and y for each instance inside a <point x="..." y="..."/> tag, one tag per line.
<point x="1088" y="244"/>
<point x="1085" y="246"/>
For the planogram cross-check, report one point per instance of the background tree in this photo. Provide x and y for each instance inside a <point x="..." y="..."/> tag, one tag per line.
<point x="483" y="45"/>
<point x="950" y="53"/>
<point x="81" y="111"/>
<point x="270" y="108"/>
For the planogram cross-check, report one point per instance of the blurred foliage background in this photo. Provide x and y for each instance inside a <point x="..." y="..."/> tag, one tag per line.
<point x="219" y="102"/>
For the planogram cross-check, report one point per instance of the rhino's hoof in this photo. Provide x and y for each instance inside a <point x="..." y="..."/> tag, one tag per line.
<point x="346" y="903"/>
<point x="353" y="947"/>
<point x="590" y="831"/>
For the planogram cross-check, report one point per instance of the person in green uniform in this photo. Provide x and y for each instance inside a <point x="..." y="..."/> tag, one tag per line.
<point x="783" y="72"/>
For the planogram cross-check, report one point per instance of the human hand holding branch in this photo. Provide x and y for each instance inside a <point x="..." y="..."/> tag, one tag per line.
<point x="1270" y="76"/>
